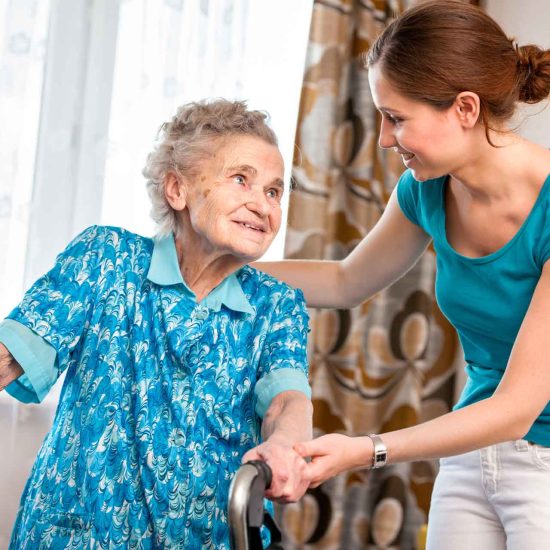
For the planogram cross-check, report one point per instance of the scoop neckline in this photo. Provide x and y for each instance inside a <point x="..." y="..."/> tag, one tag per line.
<point x="502" y="250"/>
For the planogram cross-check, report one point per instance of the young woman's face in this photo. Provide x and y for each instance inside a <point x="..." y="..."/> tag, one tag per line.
<point x="428" y="140"/>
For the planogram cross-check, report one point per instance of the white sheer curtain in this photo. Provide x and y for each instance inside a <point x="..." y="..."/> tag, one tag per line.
<point x="172" y="52"/>
<point x="167" y="53"/>
<point x="23" y="33"/>
<point x="84" y="86"/>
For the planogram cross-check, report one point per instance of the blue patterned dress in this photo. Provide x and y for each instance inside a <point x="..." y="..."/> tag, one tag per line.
<point x="162" y="395"/>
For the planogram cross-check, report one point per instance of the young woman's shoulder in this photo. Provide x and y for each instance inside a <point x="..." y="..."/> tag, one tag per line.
<point x="417" y="198"/>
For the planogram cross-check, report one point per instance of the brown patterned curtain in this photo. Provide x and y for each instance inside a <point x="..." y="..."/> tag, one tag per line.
<point x="387" y="364"/>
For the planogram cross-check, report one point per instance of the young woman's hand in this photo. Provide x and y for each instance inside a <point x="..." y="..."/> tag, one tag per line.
<point x="333" y="454"/>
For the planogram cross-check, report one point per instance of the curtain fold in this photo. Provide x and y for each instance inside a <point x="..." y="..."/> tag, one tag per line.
<point x="388" y="363"/>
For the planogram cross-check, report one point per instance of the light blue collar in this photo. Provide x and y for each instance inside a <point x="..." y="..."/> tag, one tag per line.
<point x="165" y="270"/>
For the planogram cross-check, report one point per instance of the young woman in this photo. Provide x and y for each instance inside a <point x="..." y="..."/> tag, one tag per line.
<point x="447" y="79"/>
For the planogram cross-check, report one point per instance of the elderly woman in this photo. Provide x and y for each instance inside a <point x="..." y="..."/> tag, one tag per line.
<point x="177" y="354"/>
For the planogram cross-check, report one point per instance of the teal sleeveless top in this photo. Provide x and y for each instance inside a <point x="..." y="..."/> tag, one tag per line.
<point x="484" y="298"/>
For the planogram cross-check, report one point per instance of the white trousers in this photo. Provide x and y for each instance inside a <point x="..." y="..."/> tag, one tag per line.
<point x="493" y="499"/>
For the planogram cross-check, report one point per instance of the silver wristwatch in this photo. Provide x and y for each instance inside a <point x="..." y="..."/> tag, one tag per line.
<point x="380" y="453"/>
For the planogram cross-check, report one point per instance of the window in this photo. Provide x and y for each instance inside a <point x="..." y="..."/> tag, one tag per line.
<point x="173" y="52"/>
<point x="23" y="34"/>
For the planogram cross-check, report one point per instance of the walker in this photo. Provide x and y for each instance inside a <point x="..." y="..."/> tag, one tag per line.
<point x="246" y="508"/>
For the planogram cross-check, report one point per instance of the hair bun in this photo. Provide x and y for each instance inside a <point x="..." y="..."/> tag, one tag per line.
<point x="534" y="65"/>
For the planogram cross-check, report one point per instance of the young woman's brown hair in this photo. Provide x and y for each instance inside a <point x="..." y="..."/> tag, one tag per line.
<point x="440" y="48"/>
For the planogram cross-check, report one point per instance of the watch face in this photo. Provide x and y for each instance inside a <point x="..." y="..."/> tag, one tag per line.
<point x="379" y="461"/>
<point x="380" y="455"/>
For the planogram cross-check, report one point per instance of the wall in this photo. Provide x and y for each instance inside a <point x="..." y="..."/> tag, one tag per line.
<point x="528" y="21"/>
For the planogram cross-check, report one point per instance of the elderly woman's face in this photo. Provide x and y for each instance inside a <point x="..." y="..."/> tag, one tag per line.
<point x="234" y="202"/>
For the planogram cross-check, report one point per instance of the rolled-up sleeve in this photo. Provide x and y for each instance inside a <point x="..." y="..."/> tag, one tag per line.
<point x="279" y="381"/>
<point x="36" y="357"/>
<point x="284" y="365"/>
<point x="44" y="329"/>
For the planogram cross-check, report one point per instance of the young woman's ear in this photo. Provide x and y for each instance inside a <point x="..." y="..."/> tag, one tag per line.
<point x="175" y="191"/>
<point x="467" y="108"/>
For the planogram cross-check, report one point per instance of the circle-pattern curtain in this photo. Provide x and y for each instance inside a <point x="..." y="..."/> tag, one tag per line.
<point x="389" y="363"/>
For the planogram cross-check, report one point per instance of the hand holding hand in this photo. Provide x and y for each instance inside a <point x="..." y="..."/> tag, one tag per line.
<point x="290" y="477"/>
<point x="333" y="454"/>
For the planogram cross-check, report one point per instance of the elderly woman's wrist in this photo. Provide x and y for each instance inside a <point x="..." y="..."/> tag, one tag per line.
<point x="283" y="439"/>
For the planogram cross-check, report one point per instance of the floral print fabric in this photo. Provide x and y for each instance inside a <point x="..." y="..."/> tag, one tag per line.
<point x="158" y="405"/>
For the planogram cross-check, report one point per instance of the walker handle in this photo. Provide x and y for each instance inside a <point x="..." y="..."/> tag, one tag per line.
<point x="246" y="503"/>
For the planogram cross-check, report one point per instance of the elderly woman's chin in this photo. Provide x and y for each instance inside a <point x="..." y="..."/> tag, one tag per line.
<point x="250" y="244"/>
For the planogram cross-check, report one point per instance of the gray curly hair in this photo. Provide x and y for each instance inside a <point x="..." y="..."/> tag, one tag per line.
<point x="189" y="138"/>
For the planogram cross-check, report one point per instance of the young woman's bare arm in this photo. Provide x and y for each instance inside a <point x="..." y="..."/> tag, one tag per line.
<point x="522" y="394"/>
<point x="10" y="369"/>
<point x="391" y="248"/>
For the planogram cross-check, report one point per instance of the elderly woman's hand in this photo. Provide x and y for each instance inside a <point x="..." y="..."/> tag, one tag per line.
<point x="290" y="475"/>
